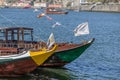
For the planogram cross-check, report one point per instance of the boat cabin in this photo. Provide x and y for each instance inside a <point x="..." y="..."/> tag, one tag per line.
<point x="16" y="39"/>
<point x="15" y="33"/>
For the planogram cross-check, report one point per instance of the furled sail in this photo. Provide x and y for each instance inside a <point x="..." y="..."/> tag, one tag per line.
<point x="51" y="40"/>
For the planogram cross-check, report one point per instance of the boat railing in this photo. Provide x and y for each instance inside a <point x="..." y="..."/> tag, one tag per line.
<point x="7" y="51"/>
<point x="14" y="47"/>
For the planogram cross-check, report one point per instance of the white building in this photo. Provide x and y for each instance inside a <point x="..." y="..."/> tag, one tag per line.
<point x="39" y="4"/>
<point x="83" y="1"/>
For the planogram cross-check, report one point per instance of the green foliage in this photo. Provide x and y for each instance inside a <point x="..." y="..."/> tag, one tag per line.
<point x="68" y="4"/>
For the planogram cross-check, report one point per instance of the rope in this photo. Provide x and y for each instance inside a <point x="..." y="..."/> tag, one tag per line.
<point x="9" y="20"/>
<point x="55" y="21"/>
<point x="38" y="29"/>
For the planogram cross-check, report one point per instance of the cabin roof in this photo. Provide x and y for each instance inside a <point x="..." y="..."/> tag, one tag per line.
<point x="15" y="33"/>
<point x="15" y="28"/>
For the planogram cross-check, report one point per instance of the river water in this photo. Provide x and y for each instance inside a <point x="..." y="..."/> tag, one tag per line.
<point x="101" y="61"/>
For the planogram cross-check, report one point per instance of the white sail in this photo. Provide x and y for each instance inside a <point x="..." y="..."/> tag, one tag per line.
<point x="51" y="40"/>
<point x="81" y="29"/>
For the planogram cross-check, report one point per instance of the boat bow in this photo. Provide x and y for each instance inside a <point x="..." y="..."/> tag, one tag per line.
<point x="45" y="53"/>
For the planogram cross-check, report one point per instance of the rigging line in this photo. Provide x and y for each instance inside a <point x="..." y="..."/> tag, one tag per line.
<point x="40" y="30"/>
<point x="61" y="24"/>
<point x="38" y="36"/>
<point x="18" y="26"/>
<point x="53" y="24"/>
<point x="57" y="21"/>
<point x="39" y="39"/>
<point x="9" y="20"/>
<point x="61" y="39"/>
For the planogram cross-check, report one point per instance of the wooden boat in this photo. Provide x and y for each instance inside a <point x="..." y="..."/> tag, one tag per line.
<point x="66" y="53"/>
<point x="17" y="56"/>
<point x="27" y="6"/>
<point x="54" y="11"/>
<point x="22" y="63"/>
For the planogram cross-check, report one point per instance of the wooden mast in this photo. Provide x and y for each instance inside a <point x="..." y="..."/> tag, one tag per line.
<point x="12" y="35"/>
<point x="22" y="34"/>
<point x="6" y="35"/>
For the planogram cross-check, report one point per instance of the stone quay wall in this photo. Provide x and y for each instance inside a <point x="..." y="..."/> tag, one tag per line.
<point x="102" y="7"/>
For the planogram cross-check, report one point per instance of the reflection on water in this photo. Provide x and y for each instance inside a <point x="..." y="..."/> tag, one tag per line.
<point x="53" y="74"/>
<point x="24" y="77"/>
<point x="46" y="74"/>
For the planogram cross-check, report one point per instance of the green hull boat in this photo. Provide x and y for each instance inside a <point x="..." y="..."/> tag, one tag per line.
<point x="66" y="53"/>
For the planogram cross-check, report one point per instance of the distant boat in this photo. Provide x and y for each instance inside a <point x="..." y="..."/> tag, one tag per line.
<point x="27" y="6"/>
<point x="52" y="10"/>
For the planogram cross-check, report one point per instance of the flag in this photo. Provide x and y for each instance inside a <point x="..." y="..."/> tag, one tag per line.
<point x="41" y="15"/>
<point x="51" y="40"/>
<point x="81" y="29"/>
<point x="56" y="24"/>
<point x="49" y="18"/>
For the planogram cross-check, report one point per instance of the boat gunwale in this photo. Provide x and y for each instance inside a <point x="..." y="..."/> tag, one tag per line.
<point x="15" y="55"/>
<point x="78" y="46"/>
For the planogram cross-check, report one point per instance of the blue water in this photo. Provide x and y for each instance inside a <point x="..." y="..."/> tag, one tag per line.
<point x="101" y="61"/>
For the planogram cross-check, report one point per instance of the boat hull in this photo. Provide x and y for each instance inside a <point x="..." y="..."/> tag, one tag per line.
<point x="17" y="67"/>
<point x="56" y="12"/>
<point x="21" y="64"/>
<point x="61" y="58"/>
